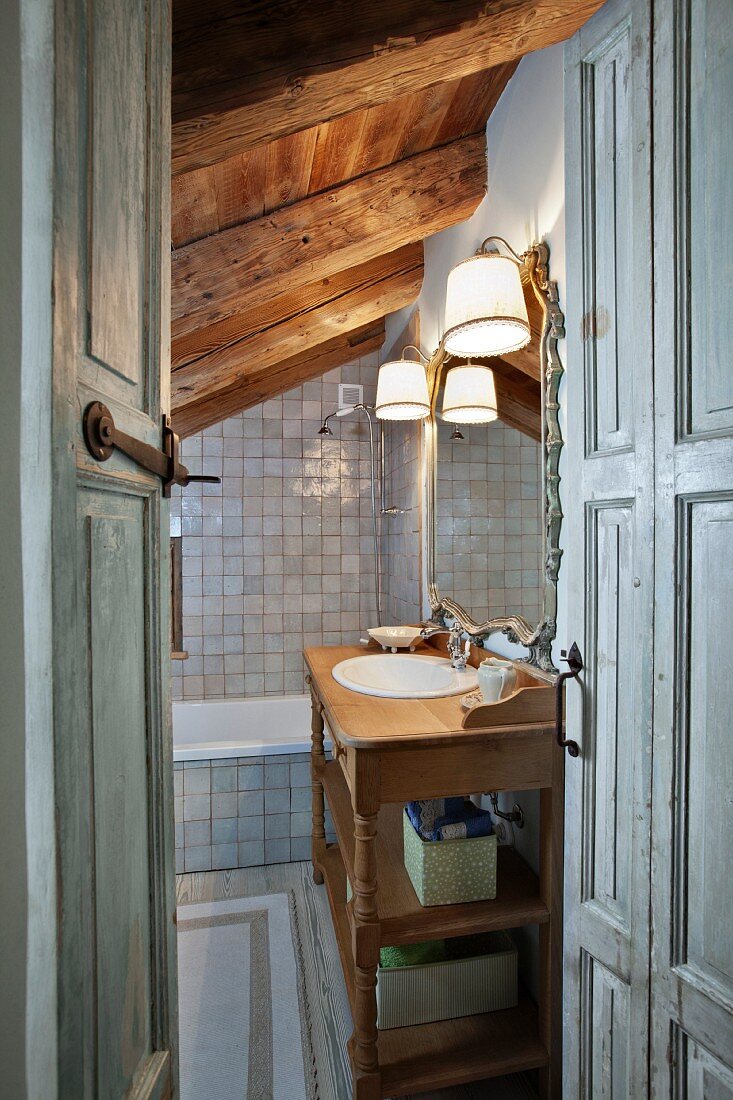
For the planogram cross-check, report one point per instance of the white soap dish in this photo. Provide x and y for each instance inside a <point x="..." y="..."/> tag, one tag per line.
<point x="396" y="637"/>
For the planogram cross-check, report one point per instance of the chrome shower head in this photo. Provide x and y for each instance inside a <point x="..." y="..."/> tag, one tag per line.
<point x="324" y="429"/>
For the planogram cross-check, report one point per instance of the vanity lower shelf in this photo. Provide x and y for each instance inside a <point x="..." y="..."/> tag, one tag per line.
<point x="449" y="1052"/>
<point x="402" y="919"/>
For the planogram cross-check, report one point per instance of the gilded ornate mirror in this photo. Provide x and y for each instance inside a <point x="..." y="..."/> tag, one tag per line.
<point x="493" y="508"/>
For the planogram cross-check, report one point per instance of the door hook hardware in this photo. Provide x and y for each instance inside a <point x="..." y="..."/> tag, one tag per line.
<point x="516" y="816"/>
<point x="575" y="665"/>
<point x="102" y="437"/>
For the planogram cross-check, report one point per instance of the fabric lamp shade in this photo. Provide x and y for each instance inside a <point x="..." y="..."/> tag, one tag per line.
<point x="402" y="391"/>
<point x="469" y="396"/>
<point x="485" y="310"/>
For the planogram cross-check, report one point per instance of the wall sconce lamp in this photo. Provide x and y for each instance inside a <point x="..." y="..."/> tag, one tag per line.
<point x="402" y="389"/>
<point x="470" y="395"/>
<point x="485" y="311"/>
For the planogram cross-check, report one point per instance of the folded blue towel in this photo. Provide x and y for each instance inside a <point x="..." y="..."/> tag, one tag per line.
<point x="471" y="822"/>
<point x="425" y="814"/>
<point x="448" y="819"/>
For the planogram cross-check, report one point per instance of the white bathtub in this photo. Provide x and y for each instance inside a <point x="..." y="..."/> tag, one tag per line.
<point x="222" y="728"/>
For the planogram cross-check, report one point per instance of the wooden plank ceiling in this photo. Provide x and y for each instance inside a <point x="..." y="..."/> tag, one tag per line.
<point x="315" y="147"/>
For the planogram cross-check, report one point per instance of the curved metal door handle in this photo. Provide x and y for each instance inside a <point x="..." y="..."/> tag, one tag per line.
<point x="575" y="665"/>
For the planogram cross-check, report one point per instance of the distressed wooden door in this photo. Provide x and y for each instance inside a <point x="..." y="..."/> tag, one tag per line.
<point x="117" y="1003"/>
<point x="692" y="834"/>
<point x="609" y="561"/>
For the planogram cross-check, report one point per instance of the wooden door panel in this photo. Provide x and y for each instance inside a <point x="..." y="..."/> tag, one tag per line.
<point x="117" y="980"/>
<point x="604" y="999"/>
<point x="692" y="899"/>
<point x="113" y="552"/>
<point x="610" y="551"/>
<point x="705" y="942"/>
<point x="609" y="255"/>
<point x="699" y="1074"/>
<point x="707" y="84"/>
<point x="611" y="692"/>
<point x="117" y="195"/>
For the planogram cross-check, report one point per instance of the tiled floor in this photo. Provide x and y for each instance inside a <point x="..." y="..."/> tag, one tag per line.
<point x="331" y="1026"/>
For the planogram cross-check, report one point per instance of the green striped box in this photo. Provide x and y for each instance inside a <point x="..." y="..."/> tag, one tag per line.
<point x="447" y="872"/>
<point x="408" y="995"/>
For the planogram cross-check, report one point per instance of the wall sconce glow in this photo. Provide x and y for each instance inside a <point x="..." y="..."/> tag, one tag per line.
<point x="470" y="395"/>
<point x="402" y="390"/>
<point x="485" y="310"/>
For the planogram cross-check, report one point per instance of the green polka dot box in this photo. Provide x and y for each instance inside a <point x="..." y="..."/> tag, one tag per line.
<point x="448" y="872"/>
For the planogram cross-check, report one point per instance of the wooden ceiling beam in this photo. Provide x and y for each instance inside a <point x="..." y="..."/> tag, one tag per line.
<point x="406" y="263"/>
<point x="264" y="349"/>
<point x="243" y="267"/>
<point x="243" y="394"/>
<point x="246" y="74"/>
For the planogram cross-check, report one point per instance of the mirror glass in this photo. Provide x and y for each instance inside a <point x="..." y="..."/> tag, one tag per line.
<point x="489" y="518"/>
<point x="494" y="512"/>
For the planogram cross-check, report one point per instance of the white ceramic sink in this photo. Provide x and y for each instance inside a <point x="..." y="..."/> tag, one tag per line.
<point x="399" y="676"/>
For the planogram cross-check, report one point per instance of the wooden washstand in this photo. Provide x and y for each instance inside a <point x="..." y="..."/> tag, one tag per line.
<point x="388" y="752"/>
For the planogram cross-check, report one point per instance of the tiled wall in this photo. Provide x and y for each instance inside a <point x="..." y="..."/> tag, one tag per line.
<point x="279" y="556"/>
<point x="401" y="534"/>
<point x="489" y="520"/>
<point x="243" y="813"/>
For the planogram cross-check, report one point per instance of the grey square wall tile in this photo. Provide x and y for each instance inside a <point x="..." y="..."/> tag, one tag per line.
<point x="196" y="807"/>
<point x="197" y="781"/>
<point x="179" y="834"/>
<point x="251" y="853"/>
<point x="224" y="856"/>
<point x="224" y="830"/>
<point x="277" y="826"/>
<point x="300" y="848"/>
<point x="198" y="859"/>
<point x="251" y="828"/>
<point x="277" y="851"/>
<point x="193" y="764"/>
<point x="300" y="775"/>
<point x="277" y="801"/>
<point x="250" y="803"/>
<point x="197" y="833"/>
<point x="225" y="762"/>
<point x="178" y="784"/>
<point x="301" y="824"/>
<point x="223" y="780"/>
<point x="178" y="808"/>
<point x="180" y="861"/>
<point x="250" y="777"/>
<point x="224" y="805"/>
<point x="300" y="798"/>
<point x="277" y="775"/>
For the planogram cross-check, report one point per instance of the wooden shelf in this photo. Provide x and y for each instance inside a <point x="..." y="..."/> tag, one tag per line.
<point x="402" y="918"/>
<point x="450" y="1052"/>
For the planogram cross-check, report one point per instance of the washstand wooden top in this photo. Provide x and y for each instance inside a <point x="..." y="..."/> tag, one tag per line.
<point x="366" y="721"/>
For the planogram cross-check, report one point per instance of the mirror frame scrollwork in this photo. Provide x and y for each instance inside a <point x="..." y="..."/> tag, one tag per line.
<point x="534" y="268"/>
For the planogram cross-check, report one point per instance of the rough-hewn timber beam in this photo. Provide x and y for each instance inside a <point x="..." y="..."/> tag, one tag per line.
<point x="243" y="394"/>
<point x="241" y="268"/>
<point x="264" y="349"/>
<point x="404" y="265"/>
<point x="244" y="74"/>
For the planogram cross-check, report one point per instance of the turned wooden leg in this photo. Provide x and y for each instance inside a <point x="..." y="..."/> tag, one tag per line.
<point x="318" y="760"/>
<point x="367" y="1084"/>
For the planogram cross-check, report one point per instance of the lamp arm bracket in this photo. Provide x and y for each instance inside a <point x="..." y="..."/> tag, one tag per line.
<point x="515" y="255"/>
<point x="414" y="347"/>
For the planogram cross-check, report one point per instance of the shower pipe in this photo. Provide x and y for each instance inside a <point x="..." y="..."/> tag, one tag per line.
<point x="325" y="430"/>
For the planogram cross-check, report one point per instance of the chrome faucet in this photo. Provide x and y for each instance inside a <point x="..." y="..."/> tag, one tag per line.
<point x="458" y="652"/>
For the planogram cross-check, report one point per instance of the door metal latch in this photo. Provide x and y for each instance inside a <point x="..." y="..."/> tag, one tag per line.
<point x="101" y="437"/>
<point x="575" y="665"/>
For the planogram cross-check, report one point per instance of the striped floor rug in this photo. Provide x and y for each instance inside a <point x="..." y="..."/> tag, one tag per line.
<point x="243" y="1015"/>
<point x="330" y="1023"/>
